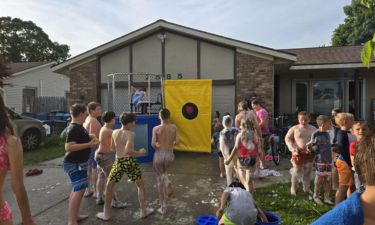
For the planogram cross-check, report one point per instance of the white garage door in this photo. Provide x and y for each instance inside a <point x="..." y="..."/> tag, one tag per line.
<point x="223" y="99"/>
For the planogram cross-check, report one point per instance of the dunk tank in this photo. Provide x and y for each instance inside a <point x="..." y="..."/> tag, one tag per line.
<point x="189" y="101"/>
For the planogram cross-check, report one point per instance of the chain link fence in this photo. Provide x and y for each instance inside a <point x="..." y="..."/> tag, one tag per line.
<point x="122" y="87"/>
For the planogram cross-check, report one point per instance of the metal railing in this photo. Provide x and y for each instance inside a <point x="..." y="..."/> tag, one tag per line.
<point x="122" y="86"/>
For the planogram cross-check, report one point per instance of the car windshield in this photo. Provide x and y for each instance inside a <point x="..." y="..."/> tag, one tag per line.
<point x="13" y="115"/>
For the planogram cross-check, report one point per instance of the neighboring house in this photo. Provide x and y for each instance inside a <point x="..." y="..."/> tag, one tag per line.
<point x="30" y="80"/>
<point x="314" y="79"/>
<point x="326" y="77"/>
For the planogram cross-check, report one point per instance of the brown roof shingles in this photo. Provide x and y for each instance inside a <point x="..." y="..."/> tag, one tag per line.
<point x="21" y="66"/>
<point x="326" y="55"/>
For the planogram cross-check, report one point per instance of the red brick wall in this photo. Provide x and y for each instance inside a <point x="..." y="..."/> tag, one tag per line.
<point x="83" y="80"/>
<point x="255" y="75"/>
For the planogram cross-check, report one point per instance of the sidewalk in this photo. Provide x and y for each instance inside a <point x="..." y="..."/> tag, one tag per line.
<point x="44" y="190"/>
<point x="195" y="177"/>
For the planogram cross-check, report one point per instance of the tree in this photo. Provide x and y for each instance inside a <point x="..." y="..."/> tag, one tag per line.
<point x="368" y="50"/>
<point x="24" y="41"/>
<point x="4" y="72"/>
<point x="359" y="24"/>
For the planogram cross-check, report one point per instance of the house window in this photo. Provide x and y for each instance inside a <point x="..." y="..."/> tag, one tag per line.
<point x="351" y="99"/>
<point x="326" y="95"/>
<point x="28" y="95"/>
<point x="320" y="96"/>
<point x="302" y="96"/>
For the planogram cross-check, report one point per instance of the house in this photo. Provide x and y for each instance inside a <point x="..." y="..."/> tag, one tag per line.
<point x="314" y="79"/>
<point x="30" y="80"/>
<point x="237" y="68"/>
<point x="326" y="77"/>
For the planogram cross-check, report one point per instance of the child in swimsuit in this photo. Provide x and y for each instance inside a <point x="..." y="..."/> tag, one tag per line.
<point x="227" y="141"/>
<point x="104" y="157"/>
<point x="320" y="144"/>
<point x="11" y="159"/>
<point x="77" y="146"/>
<point x="358" y="208"/>
<point x="215" y="143"/>
<point x="343" y="163"/>
<point x="123" y="142"/>
<point x="296" y="139"/>
<point x="92" y="126"/>
<point x="164" y="138"/>
<point x="360" y="130"/>
<point x="237" y="207"/>
<point x="246" y="150"/>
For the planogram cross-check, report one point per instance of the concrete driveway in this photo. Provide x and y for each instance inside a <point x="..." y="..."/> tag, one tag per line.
<point x="195" y="177"/>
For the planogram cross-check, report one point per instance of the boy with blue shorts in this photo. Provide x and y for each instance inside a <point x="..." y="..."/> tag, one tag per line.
<point x="77" y="146"/>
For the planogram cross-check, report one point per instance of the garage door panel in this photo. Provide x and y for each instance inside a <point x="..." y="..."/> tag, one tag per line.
<point x="223" y="99"/>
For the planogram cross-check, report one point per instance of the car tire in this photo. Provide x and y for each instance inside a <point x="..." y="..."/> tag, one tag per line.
<point x="31" y="139"/>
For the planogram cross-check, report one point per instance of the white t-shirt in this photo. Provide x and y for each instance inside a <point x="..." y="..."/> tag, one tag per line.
<point x="241" y="208"/>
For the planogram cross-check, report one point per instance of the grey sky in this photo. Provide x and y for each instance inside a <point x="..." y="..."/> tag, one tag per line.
<point x="85" y="24"/>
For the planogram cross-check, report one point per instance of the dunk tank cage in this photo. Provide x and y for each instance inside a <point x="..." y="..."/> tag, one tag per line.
<point x="121" y="88"/>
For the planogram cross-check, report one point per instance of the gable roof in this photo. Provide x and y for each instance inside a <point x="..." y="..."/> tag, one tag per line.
<point x="327" y="57"/>
<point x="162" y="24"/>
<point x="21" y="66"/>
<point x="15" y="69"/>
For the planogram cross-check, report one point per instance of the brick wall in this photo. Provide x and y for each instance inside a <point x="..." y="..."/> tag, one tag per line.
<point x="255" y="75"/>
<point x="83" y="80"/>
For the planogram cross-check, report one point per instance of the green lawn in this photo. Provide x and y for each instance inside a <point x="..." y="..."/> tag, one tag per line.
<point x="292" y="210"/>
<point x="53" y="147"/>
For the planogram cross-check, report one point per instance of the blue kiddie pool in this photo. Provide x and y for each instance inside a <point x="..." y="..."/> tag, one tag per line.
<point x="206" y="220"/>
<point x="273" y="219"/>
<point x="143" y="134"/>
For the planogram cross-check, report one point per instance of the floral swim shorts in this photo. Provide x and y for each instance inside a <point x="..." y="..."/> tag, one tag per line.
<point x="128" y="165"/>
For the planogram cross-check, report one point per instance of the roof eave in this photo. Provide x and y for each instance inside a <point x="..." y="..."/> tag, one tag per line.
<point x="330" y="66"/>
<point x="30" y="69"/>
<point x="167" y="25"/>
<point x="112" y="44"/>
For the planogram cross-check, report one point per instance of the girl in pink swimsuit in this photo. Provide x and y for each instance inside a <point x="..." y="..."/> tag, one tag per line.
<point x="11" y="158"/>
<point x="5" y="212"/>
<point x="246" y="150"/>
